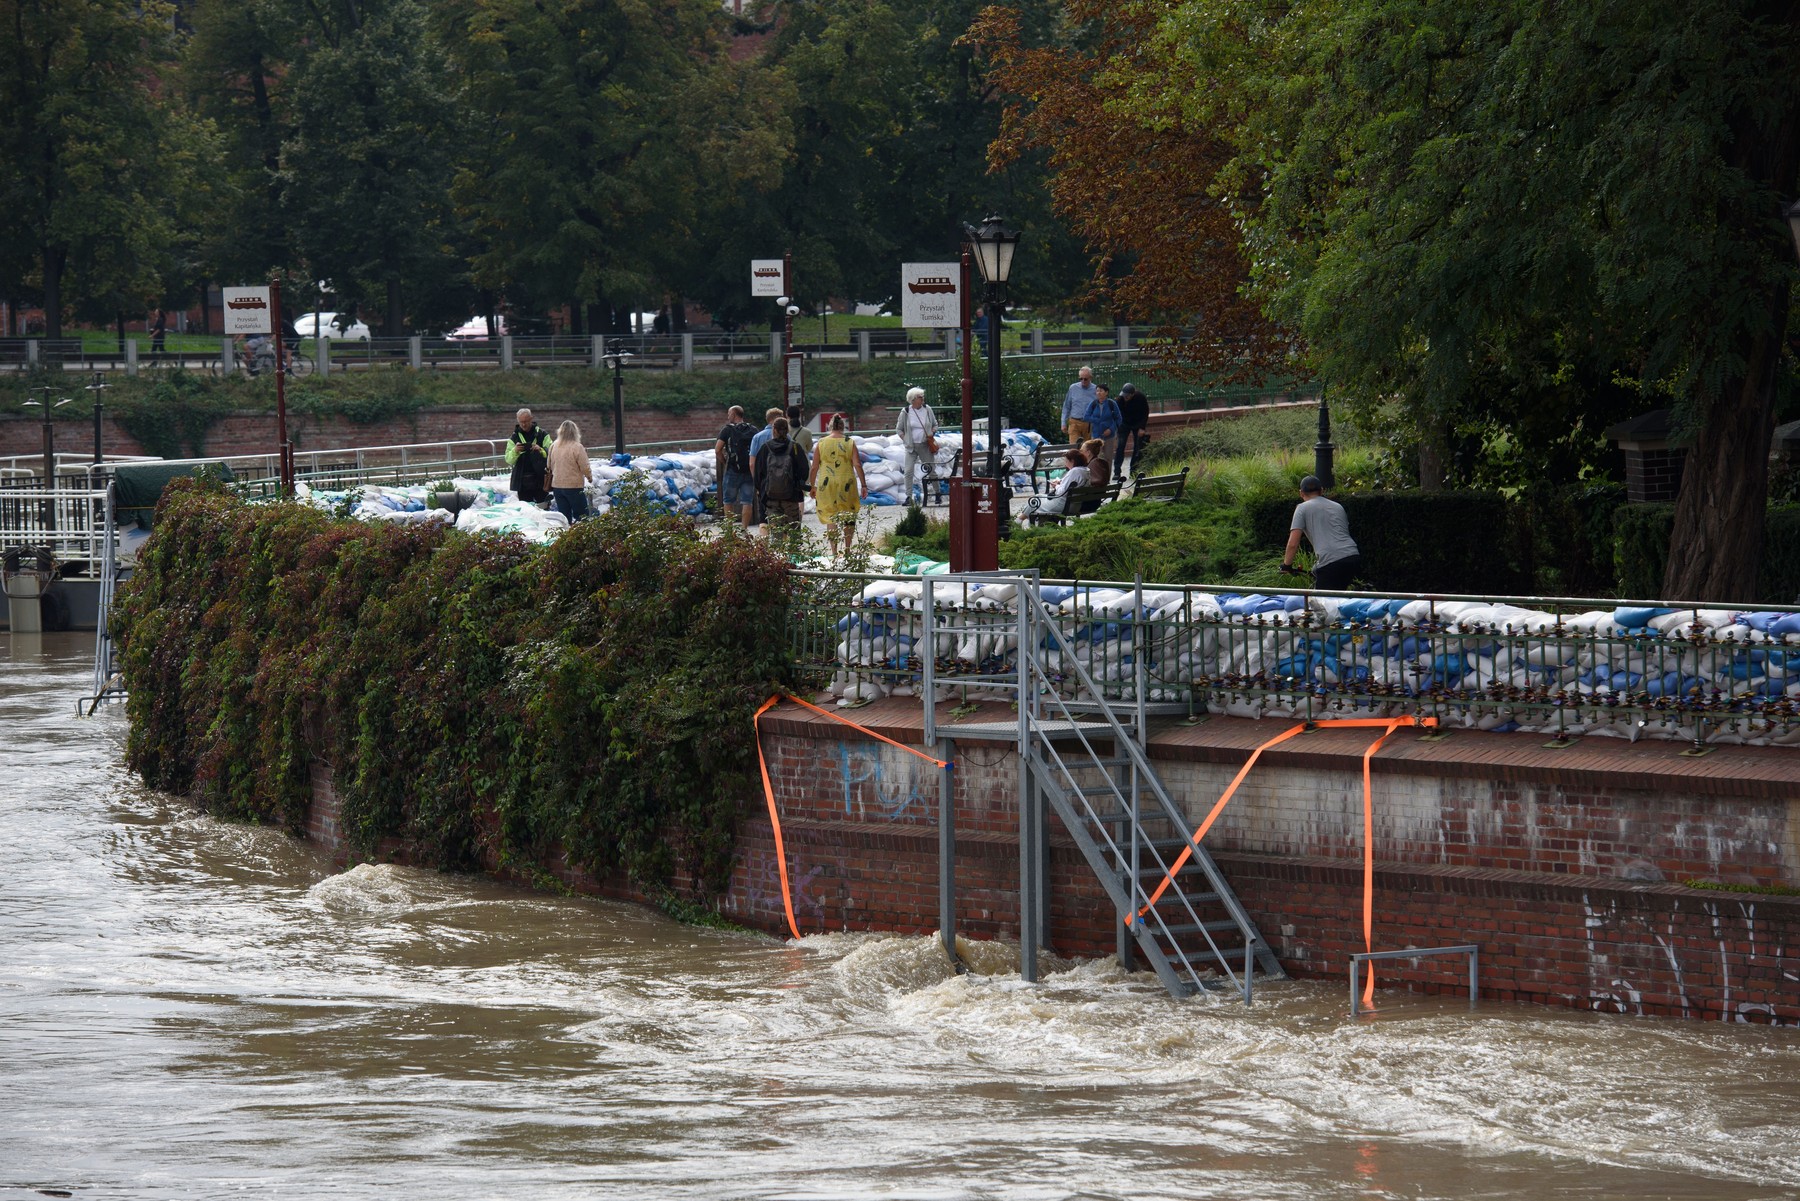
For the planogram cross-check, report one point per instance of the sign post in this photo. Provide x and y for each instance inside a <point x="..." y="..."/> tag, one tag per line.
<point x="257" y="311"/>
<point x="937" y="296"/>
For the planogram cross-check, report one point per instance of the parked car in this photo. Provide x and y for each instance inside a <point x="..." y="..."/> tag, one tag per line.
<point x="475" y="329"/>
<point x="353" y="331"/>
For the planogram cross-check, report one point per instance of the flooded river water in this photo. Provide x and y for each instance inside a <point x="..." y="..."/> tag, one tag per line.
<point x="194" y="1009"/>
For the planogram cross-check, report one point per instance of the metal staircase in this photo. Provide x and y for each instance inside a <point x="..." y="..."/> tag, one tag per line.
<point x="107" y="685"/>
<point x="1081" y="760"/>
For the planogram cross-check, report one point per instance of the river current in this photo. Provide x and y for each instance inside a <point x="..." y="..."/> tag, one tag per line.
<point x="195" y="1009"/>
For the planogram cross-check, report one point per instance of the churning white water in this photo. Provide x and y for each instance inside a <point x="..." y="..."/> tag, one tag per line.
<point x="195" y="1009"/>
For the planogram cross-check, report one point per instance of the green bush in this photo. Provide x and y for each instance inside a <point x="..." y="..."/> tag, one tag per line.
<point x="1274" y="430"/>
<point x="1029" y="400"/>
<point x="1641" y="551"/>
<point x="591" y="699"/>
<point x="1457" y="542"/>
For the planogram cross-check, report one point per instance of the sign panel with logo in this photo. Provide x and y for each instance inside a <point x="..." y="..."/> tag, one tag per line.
<point x="930" y="295"/>
<point x="767" y="278"/>
<point x="247" y="311"/>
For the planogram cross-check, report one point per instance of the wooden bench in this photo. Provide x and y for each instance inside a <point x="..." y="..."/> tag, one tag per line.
<point x="1049" y="458"/>
<point x="1081" y="502"/>
<point x="1160" y="488"/>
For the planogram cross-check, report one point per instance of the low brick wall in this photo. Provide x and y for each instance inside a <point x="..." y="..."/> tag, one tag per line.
<point x="1567" y="867"/>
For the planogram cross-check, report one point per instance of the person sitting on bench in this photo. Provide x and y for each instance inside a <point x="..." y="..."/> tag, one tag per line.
<point x="1075" y="476"/>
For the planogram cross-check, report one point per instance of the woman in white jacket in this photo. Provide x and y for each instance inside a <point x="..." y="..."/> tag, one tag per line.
<point x="917" y="430"/>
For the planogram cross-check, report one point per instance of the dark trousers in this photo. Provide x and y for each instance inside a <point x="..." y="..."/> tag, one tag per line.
<point x="1338" y="573"/>
<point x="1137" y="438"/>
<point x="571" y="503"/>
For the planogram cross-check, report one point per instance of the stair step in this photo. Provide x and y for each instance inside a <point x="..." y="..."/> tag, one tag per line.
<point x="1193" y="898"/>
<point x="1191" y="928"/>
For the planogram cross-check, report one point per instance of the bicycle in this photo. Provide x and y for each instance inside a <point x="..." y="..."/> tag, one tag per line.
<point x="1357" y="584"/>
<point x="257" y="365"/>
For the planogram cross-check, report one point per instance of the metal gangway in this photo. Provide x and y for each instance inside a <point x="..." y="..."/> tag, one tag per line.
<point x="1082" y="757"/>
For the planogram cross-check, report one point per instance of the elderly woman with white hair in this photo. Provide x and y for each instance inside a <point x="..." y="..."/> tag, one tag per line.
<point x="917" y="430"/>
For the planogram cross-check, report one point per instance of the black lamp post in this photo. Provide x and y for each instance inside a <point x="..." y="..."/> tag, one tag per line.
<point x="994" y="247"/>
<point x="98" y="388"/>
<point x="1324" y="449"/>
<point x="615" y="357"/>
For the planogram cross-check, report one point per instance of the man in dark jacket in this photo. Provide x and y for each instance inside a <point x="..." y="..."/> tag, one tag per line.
<point x="528" y="453"/>
<point x="780" y="471"/>
<point x="1134" y="408"/>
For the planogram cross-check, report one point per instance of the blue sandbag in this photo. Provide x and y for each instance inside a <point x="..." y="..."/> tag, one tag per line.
<point x="1293" y="604"/>
<point x="1359" y="609"/>
<point x="1055" y="594"/>
<point x="1637" y="619"/>
<point x="1759" y="621"/>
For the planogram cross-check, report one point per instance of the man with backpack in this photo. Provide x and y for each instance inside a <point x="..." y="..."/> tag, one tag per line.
<point x="731" y="467"/>
<point x="780" y="471"/>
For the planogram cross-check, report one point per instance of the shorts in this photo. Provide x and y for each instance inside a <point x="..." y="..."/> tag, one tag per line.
<point x="736" y="489"/>
<point x="782" y="512"/>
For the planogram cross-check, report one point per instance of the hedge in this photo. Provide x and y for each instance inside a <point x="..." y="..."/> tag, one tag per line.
<point x="1641" y="552"/>
<point x="1456" y="542"/>
<point x="480" y="699"/>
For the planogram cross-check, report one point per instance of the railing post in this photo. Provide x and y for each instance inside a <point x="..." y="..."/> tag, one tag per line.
<point x="321" y="355"/>
<point x="687" y="350"/>
<point x="774" y="346"/>
<point x="131" y="360"/>
<point x="32" y="358"/>
<point x="597" y="352"/>
<point x="506" y="352"/>
<point x="1037" y="339"/>
<point x="415" y="352"/>
<point x="865" y="350"/>
<point x="227" y="355"/>
<point x="1122" y="337"/>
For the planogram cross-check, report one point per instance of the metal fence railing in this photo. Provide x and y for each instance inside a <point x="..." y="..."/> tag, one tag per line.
<point x="1558" y="666"/>
<point x="70" y="522"/>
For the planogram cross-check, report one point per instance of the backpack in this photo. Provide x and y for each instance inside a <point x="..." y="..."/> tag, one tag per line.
<point x="737" y="446"/>
<point x="778" y="477"/>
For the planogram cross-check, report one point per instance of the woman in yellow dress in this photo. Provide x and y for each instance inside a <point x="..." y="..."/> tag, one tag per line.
<point x="837" y="483"/>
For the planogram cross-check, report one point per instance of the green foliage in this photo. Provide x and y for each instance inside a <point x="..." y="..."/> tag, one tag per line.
<point x="1641" y="548"/>
<point x="1191" y="541"/>
<point x="1459" y="542"/>
<point x="587" y="702"/>
<point x="1029" y="399"/>
<point x="1276" y="430"/>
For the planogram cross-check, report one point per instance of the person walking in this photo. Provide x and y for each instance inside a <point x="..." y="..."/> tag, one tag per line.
<point x="757" y="442"/>
<point x="570" y="472"/>
<point x="1104" y="421"/>
<point x="917" y="429"/>
<point x="1134" y="410"/>
<point x="1336" y="559"/>
<point x="528" y="454"/>
<point x="1075" y="406"/>
<point x="731" y="466"/>
<point x="158" y="333"/>
<point x="780" y="469"/>
<point x="798" y="434"/>
<point x="838" y="483"/>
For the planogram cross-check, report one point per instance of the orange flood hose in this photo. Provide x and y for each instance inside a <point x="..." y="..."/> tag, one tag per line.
<point x="762" y="763"/>
<point x="1387" y="725"/>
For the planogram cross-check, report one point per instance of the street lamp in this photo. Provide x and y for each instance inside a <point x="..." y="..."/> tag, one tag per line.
<point x="49" y="431"/>
<point x="98" y="388"/>
<point x="1792" y="213"/>
<point x="994" y="248"/>
<point x="615" y="357"/>
<point x="1324" y="449"/>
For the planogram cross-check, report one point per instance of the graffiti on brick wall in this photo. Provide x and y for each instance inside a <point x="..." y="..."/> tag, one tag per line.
<point x="759" y="884"/>
<point x="884" y="782"/>
<point x="1702" y="959"/>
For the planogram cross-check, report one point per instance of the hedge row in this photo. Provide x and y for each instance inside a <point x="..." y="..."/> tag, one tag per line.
<point x="476" y="696"/>
<point x="1641" y="551"/>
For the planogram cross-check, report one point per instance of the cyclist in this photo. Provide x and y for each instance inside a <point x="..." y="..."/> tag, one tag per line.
<point x="1336" y="560"/>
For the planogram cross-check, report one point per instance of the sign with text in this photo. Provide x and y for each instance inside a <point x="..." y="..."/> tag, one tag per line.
<point x="767" y="278"/>
<point x="930" y="295"/>
<point x="247" y="311"/>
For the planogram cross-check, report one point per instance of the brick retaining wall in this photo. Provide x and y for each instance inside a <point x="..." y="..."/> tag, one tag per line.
<point x="1567" y="867"/>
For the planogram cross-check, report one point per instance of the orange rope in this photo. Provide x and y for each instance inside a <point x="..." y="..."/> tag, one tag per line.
<point x="762" y="763"/>
<point x="1387" y="725"/>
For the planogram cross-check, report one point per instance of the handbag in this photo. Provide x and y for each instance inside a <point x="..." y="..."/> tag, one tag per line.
<point x="931" y="443"/>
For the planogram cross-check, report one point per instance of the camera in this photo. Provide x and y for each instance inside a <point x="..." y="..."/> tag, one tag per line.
<point x="793" y="310"/>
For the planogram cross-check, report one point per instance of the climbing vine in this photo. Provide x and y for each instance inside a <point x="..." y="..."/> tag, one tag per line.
<point x="475" y="696"/>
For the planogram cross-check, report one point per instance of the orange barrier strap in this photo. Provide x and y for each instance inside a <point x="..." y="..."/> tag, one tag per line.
<point x="762" y="763"/>
<point x="1368" y="997"/>
<point x="838" y="717"/>
<point x="787" y="896"/>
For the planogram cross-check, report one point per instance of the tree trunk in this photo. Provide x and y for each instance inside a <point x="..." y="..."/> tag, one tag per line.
<point x="1434" y="455"/>
<point x="487" y="311"/>
<point x="1715" y="549"/>
<point x="575" y="325"/>
<point x="396" y="316"/>
<point x="54" y="257"/>
<point x="677" y="315"/>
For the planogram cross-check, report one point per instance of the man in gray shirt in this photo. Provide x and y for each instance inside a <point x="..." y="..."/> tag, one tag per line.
<point x="1336" y="561"/>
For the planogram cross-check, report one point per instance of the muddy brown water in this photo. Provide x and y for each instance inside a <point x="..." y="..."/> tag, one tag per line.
<point x="195" y="1009"/>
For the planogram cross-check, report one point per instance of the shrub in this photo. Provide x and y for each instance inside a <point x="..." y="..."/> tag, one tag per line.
<point x="1458" y="542"/>
<point x="1641" y="551"/>
<point x="588" y="700"/>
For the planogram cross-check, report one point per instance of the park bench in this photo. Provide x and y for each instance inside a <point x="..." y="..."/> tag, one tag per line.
<point x="1081" y="502"/>
<point x="1161" y="488"/>
<point x="1048" y="458"/>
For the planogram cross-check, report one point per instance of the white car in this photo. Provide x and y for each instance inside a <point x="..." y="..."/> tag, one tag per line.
<point x="356" y="331"/>
<point x="475" y="330"/>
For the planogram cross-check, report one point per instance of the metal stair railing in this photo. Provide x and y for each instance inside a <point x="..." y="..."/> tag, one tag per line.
<point x="1123" y="877"/>
<point x="106" y="684"/>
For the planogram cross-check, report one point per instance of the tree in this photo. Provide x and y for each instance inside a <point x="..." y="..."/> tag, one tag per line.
<point x="1136" y="171"/>
<point x="366" y="171"/>
<point x="1457" y="194"/>
<point x="86" y="172"/>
